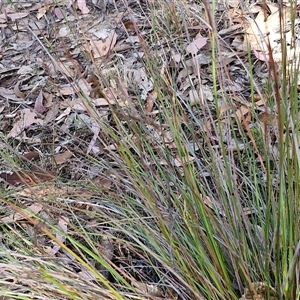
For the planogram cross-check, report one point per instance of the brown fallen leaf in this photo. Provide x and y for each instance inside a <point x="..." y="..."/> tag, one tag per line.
<point x="95" y="129"/>
<point x="29" y="177"/>
<point x="33" y="155"/>
<point x="10" y="95"/>
<point x="27" y="117"/>
<point x="150" y="100"/>
<point x="197" y="44"/>
<point x="59" y="13"/>
<point x="82" y="6"/>
<point x="102" y="182"/>
<point x="62" y="157"/>
<point x="43" y="10"/>
<point x="38" y="105"/>
<point x="129" y="24"/>
<point x="17" y="91"/>
<point x="101" y="48"/>
<point x="12" y="16"/>
<point x="51" y="113"/>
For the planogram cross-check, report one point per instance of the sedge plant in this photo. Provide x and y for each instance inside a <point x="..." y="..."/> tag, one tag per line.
<point x="201" y="204"/>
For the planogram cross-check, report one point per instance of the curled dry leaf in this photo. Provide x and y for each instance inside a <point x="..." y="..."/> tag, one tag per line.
<point x="242" y="112"/>
<point x="9" y="94"/>
<point x="129" y="25"/>
<point x="38" y="105"/>
<point x="42" y="11"/>
<point x="48" y="99"/>
<point x="151" y="98"/>
<point x="66" y="112"/>
<point x="266" y="31"/>
<point x="95" y="129"/>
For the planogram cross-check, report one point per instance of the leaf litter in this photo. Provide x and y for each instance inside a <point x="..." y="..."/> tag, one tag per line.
<point x="52" y="90"/>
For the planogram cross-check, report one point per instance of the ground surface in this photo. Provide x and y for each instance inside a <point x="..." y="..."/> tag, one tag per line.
<point x="64" y="66"/>
<point x="49" y="52"/>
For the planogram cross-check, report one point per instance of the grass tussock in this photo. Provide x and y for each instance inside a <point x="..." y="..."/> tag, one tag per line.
<point x="187" y="200"/>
